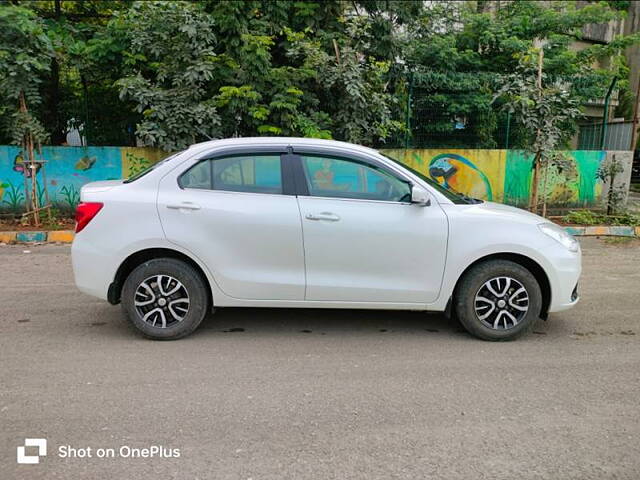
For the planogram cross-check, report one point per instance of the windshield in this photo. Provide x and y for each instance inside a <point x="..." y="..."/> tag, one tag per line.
<point x="456" y="197"/>
<point x="142" y="173"/>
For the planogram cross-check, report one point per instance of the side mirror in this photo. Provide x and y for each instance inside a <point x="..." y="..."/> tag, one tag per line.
<point x="420" y="196"/>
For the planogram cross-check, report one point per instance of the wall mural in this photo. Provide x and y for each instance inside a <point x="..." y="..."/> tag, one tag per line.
<point x="496" y="175"/>
<point x="505" y="175"/>
<point x="67" y="169"/>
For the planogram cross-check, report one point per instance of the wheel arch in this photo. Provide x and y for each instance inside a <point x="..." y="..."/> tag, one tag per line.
<point x="527" y="262"/>
<point x="141" y="256"/>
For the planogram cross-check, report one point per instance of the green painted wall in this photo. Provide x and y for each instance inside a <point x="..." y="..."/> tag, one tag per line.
<point x="506" y="175"/>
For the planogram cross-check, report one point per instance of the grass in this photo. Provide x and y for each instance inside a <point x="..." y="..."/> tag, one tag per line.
<point x="588" y="218"/>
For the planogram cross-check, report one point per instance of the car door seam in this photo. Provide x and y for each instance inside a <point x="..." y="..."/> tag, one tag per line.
<point x="304" y="251"/>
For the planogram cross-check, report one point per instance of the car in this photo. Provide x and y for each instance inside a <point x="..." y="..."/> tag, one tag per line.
<point x="309" y="223"/>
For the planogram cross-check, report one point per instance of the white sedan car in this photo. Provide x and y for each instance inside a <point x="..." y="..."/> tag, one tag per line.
<point x="297" y="222"/>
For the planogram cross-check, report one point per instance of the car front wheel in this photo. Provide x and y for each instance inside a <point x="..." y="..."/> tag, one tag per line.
<point x="165" y="299"/>
<point x="498" y="300"/>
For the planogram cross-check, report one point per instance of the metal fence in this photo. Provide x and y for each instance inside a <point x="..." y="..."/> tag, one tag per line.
<point x="605" y="136"/>
<point x="439" y="119"/>
<point x="436" y="119"/>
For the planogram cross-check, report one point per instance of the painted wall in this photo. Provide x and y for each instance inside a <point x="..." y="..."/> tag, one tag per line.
<point x="67" y="169"/>
<point x="505" y="175"/>
<point x="497" y="175"/>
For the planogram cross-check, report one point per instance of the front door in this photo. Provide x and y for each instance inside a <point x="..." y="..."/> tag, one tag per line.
<point x="234" y="214"/>
<point x="363" y="239"/>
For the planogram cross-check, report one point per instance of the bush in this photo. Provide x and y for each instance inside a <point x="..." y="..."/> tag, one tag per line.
<point x="587" y="217"/>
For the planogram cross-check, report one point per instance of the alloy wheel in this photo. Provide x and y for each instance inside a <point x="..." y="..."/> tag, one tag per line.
<point x="501" y="303"/>
<point x="162" y="301"/>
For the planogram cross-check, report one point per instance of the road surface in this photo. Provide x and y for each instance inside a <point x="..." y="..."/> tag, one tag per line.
<point x="304" y="394"/>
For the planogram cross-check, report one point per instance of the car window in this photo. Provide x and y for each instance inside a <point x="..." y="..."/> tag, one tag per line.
<point x="246" y="173"/>
<point x="343" y="178"/>
<point x="455" y="197"/>
<point x="198" y="176"/>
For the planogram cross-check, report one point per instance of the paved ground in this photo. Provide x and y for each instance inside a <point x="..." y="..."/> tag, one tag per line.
<point x="633" y="202"/>
<point x="306" y="394"/>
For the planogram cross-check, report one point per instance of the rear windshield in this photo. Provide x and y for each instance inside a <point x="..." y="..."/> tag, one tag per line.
<point x="142" y="173"/>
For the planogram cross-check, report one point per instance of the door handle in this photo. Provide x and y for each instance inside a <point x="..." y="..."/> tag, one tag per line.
<point x="326" y="216"/>
<point x="184" y="206"/>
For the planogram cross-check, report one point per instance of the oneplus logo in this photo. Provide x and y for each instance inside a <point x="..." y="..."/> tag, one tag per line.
<point x="41" y="443"/>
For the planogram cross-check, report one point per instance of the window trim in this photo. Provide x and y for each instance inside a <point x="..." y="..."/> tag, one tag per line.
<point x="301" y="176"/>
<point x="285" y="179"/>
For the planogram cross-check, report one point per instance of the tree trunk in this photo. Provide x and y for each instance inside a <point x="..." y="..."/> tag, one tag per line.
<point x="533" y="200"/>
<point x="544" y="190"/>
<point x="30" y="170"/>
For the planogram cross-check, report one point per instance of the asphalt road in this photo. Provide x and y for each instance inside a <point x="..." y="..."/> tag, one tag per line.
<point x="302" y="394"/>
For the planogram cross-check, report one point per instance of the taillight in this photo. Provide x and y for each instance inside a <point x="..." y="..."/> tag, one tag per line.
<point x="85" y="213"/>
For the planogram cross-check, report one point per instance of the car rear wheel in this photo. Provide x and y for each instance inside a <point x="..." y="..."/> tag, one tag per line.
<point x="498" y="300"/>
<point x="165" y="299"/>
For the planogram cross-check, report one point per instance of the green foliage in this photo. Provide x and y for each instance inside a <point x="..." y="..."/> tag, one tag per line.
<point x="544" y="111"/>
<point x="256" y="80"/>
<point x="588" y="218"/>
<point x="457" y="52"/>
<point x="617" y="193"/>
<point x="174" y="72"/>
<point x="170" y="57"/>
<point x="354" y="86"/>
<point x="25" y="56"/>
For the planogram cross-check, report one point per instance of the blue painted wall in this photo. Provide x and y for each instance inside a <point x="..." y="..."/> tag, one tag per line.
<point x="67" y="169"/>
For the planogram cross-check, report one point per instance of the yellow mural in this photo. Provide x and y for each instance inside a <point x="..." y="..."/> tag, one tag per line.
<point x="136" y="159"/>
<point x="477" y="173"/>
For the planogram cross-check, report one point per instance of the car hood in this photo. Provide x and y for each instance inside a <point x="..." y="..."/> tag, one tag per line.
<point x="505" y="212"/>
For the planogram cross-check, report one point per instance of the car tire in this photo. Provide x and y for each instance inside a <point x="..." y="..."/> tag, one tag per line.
<point x="165" y="299"/>
<point x="492" y="288"/>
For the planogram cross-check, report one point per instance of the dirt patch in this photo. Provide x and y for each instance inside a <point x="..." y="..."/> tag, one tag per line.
<point x="622" y="241"/>
<point x="12" y="225"/>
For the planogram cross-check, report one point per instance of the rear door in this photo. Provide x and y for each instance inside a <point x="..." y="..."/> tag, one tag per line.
<point x="363" y="239"/>
<point x="238" y="214"/>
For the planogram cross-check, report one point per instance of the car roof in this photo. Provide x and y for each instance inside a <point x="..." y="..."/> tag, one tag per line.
<point x="293" y="141"/>
<point x="199" y="148"/>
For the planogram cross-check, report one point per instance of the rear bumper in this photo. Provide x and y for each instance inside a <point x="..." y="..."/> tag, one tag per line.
<point x="92" y="269"/>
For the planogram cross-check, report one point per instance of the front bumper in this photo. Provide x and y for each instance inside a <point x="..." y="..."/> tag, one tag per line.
<point x="563" y="270"/>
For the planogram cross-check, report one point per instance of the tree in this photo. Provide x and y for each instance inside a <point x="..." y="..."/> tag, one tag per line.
<point x="175" y="72"/>
<point x="544" y="107"/>
<point x="25" y="55"/>
<point x="78" y="91"/>
<point x="455" y="52"/>
<point x="191" y="83"/>
<point x="350" y="86"/>
<point x="171" y="59"/>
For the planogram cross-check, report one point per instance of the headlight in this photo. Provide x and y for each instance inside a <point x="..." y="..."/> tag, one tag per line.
<point x="560" y="236"/>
